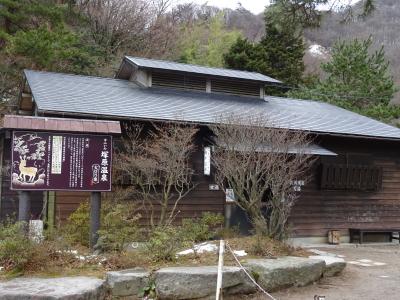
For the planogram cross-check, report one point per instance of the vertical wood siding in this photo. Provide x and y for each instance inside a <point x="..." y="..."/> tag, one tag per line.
<point x="319" y="210"/>
<point x="199" y="200"/>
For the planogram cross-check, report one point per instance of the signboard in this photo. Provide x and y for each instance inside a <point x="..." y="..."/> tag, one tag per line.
<point x="207" y="160"/>
<point x="229" y="196"/>
<point x="61" y="161"/>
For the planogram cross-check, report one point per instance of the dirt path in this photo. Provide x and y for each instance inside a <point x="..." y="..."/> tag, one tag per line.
<point x="372" y="273"/>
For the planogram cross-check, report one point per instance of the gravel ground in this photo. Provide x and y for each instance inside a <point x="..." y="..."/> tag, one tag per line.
<point x="375" y="277"/>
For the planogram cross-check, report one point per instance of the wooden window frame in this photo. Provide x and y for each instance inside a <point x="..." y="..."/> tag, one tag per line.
<point x="354" y="177"/>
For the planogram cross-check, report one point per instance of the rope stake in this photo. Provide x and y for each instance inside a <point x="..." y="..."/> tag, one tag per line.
<point x="218" y="294"/>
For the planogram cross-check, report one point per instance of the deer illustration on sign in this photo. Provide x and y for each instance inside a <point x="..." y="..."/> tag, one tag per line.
<point x="25" y="171"/>
<point x="29" y="159"/>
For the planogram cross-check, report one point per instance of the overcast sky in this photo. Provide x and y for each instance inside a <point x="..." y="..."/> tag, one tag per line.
<point x="255" y="6"/>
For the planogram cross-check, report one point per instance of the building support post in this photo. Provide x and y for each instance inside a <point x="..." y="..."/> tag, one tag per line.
<point x="51" y="209"/>
<point x="24" y="208"/>
<point x="95" y="207"/>
<point x="228" y="207"/>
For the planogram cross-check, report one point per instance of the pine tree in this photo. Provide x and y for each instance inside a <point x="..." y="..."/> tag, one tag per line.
<point x="284" y="48"/>
<point x="34" y="34"/>
<point x="279" y="54"/>
<point x="35" y="31"/>
<point x="16" y="15"/>
<point x="354" y="77"/>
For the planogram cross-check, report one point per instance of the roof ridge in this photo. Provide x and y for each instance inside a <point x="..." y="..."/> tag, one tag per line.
<point x="59" y="118"/>
<point x="130" y="83"/>
<point x="194" y="65"/>
<point x="76" y="75"/>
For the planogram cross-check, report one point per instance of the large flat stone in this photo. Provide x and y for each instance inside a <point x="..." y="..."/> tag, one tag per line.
<point x="275" y="274"/>
<point x="199" y="282"/>
<point x="127" y="282"/>
<point x="66" y="288"/>
<point x="334" y="265"/>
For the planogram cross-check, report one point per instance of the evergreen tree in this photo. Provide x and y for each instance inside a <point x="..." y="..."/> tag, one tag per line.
<point x="307" y="13"/>
<point x="16" y="15"/>
<point x="354" y="77"/>
<point x="34" y="34"/>
<point x="279" y="54"/>
<point x="35" y="31"/>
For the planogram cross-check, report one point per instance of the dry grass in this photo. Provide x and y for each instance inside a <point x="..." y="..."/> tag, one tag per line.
<point x="265" y="247"/>
<point x="49" y="261"/>
<point x="254" y="246"/>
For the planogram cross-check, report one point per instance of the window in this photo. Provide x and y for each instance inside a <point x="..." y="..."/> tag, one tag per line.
<point x="351" y="177"/>
<point x="235" y="87"/>
<point x="178" y="81"/>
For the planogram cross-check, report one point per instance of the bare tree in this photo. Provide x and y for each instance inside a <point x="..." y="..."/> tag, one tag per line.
<point x="263" y="165"/>
<point x="158" y="165"/>
<point x="134" y="27"/>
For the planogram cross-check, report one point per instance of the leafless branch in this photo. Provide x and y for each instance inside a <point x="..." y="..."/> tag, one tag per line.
<point x="158" y="164"/>
<point x="262" y="165"/>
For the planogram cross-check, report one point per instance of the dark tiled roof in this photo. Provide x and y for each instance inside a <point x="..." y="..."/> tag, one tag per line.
<point x="173" y="66"/>
<point x="83" y="95"/>
<point x="60" y="124"/>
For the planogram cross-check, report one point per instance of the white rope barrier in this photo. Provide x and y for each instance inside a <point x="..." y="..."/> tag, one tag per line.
<point x="247" y="273"/>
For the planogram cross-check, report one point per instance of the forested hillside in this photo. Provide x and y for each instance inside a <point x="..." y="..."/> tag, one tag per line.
<point x="91" y="37"/>
<point x="382" y="25"/>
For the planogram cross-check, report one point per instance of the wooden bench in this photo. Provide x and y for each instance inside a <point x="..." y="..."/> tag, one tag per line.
<point x="359" y="233"/>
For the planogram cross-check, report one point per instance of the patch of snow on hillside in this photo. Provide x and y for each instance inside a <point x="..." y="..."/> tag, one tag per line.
<point x="318" y="50"/>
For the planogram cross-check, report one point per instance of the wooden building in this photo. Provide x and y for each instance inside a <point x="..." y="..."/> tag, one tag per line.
<point x="355" y="183"/>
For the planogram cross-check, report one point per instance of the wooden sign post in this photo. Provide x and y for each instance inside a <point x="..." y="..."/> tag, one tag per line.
<point x="95" y="210"/>
<point x="24" y="209"/>
<point x="45" y="159"/>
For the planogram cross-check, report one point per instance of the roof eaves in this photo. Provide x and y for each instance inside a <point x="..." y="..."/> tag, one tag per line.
<point x="115" y="117"/>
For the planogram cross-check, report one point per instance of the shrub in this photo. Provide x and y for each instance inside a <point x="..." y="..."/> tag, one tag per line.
<point x="163" y="243"/>
<point x="229" y="233"/>
<point x="15" y="248"/>
<point x="201" y="229"/>
<point x="119" y="225"/>
<point x="77" y="229"/>
<point x="20" y="254"/>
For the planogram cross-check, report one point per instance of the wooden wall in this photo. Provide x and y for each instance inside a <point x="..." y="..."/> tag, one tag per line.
<point x="318" y="211"/>
<point x="67" y="203"/>
<point x="199" y="200"/>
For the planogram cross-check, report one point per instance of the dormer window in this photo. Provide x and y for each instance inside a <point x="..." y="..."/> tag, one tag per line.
<point x="178" y="81"/>
<point x="166" y="74"/>
<point x="236" y="87"/>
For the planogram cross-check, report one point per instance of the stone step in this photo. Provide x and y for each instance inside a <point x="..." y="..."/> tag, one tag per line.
<point x="129" y="282"/>
<point x="63" y="288"/>
<point x="275" y="274"/>
<point x="200" y="282"/>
